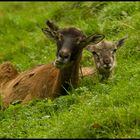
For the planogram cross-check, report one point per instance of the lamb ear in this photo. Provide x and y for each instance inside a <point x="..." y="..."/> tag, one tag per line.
<point x="121" y="41"/>
<point x="90" y="48"/>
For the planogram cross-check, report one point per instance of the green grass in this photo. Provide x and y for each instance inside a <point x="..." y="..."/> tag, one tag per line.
<point x="93" y="110"/>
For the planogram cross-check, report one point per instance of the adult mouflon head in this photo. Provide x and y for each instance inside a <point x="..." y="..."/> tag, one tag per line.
<point x="70" y="43"/>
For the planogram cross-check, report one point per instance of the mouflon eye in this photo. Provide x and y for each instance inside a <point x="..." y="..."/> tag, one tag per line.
<point x="60" y="37"/>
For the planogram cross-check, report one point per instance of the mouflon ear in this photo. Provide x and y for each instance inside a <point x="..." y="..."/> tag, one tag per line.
<point x="52" y="26"/>
<point x="52" y="34"/>
<point x="51" y="30"/>
<point x="94" y="39"/>
<point x="49" y="33"/>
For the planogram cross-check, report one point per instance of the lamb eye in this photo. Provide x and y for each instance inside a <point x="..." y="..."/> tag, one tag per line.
<point x="96" y="56"/>
<point x="94" y="53"/>
<point x="114" y="50"/>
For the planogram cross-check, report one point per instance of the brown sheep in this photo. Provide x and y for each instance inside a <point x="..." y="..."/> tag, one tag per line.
<point x="51" y="80"/>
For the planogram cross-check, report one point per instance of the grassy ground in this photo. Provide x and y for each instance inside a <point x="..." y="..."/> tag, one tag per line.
<point x="94" y="109"/>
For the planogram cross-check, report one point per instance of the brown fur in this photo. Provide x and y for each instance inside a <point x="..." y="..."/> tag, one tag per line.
<point x="86" y="71"/>
<point x="49" y="80"/>
<point x="7" y="73"/>
<point x="39" y="82"/>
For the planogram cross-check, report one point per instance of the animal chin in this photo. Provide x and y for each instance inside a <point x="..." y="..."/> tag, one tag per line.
<point x="59" y="65"/>
<point x="107" y="68"/>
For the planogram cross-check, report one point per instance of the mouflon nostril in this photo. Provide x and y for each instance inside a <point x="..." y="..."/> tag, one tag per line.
<point x="64" y="54"/>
